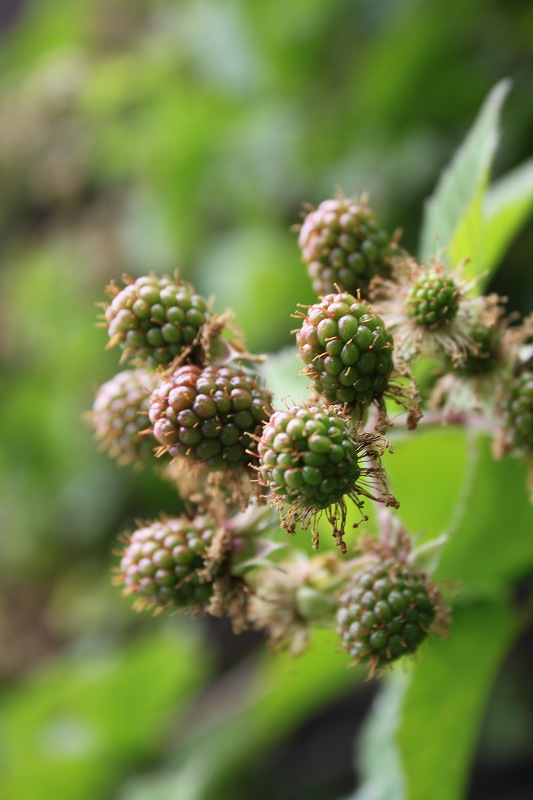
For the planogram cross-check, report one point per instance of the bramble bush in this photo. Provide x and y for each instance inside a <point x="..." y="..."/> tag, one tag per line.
<point x="404" y="358"/>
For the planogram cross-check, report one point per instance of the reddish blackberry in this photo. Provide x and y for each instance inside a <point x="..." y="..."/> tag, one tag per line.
<point x="210" y="415"/>
<point x="347" y="350"/>
<point x="310" y="460"/>
<point x="163" y="564"/>
<point x="386" y="612"/>
<point x="344" y="246"/>
<point x="155" y="319"/>
<point x="120" y="415"/>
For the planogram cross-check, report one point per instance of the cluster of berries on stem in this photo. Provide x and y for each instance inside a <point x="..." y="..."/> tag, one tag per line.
<point x="194" y="398"/>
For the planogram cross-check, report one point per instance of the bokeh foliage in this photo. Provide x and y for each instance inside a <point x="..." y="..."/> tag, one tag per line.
<point x="150" y="135"/>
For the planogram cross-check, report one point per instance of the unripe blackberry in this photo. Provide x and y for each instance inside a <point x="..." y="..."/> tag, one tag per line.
<point x="120" y="415"/>
<point x="433" y="300"/>
<point x="344" y="246"/>
<point x="310" y="460"/>
<point x="307" y="457"/>
<point x="385" y="612"/>
<point x="163" y="564"/>
<point x="518" y="411"/>
<point x="429" y="311"/>
<point x="210" y="415"/>
<point x="154" y="319"/>
<point x="485" y="355"/>
<point x="347" y="350"/>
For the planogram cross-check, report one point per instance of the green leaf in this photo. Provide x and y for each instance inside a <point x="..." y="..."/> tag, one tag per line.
<point x="380" y="767"/>
<point x="489" y="547"/>
<point x="281" y="373"/>
<point x="424" y="726"/>
<point x="453" y="215"/>
<point x="444" y="702"/>
<point x="491" y="543"/>
<point x="71" y="731"/>
<point x="428" y="485"/>
<point x="508" y="203"/>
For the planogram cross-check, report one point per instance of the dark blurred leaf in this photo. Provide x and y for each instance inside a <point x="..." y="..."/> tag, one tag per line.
<point x="250" y="710"/>
<point x="72" y="730"/>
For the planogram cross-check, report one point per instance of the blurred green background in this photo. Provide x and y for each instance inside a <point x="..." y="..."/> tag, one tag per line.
<point x="141" y="135"/>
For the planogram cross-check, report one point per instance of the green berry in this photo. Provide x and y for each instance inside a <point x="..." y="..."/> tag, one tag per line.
<point x="155" y="319"/>
<point x="120" y="415"/>
<point x="486" y="354"/>
<point x="344" y="246"/>
<point x="433" y="300"/>
<point x="210" y="415"/>
<point x="385" y="612"/>
<point x="347" y="350"/>
<point x="162" y="564"/>
<point x="307" y="457"/>
<point x="518" y="411"/>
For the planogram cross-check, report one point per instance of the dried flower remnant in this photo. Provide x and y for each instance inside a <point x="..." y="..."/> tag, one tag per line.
<point x="475" y="382"/>
<point x="290" y="600"/>
<point x="427" y="309"/>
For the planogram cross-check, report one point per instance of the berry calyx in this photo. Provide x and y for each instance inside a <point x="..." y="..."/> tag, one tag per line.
<point x="120" y="416"/>
<point x="155" y="319"/>
<point x="347" y="350"/>
<point x="289" y="600"/>
<point x="344" y="246"/>
<point x="386" y="612"/>
<point x="211" y="415"/>
<point x="310" y="460"/>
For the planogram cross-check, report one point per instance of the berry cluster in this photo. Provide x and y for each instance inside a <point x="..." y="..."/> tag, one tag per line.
<point x="433" y="300"/>
<point x="518" y="411"/>
<point x="155" y="319"/>
<point x="343" y="244"/>
<point x="163" y="563"/>
<point x="385" y="612"/>
<point x="347" y="350"/>
<point x="311" y="460"/>
<point x="243" y="467"/>
<point x="120" y="415"/>
<point x="210" y="415"/>
<point x="307" y="456"/>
